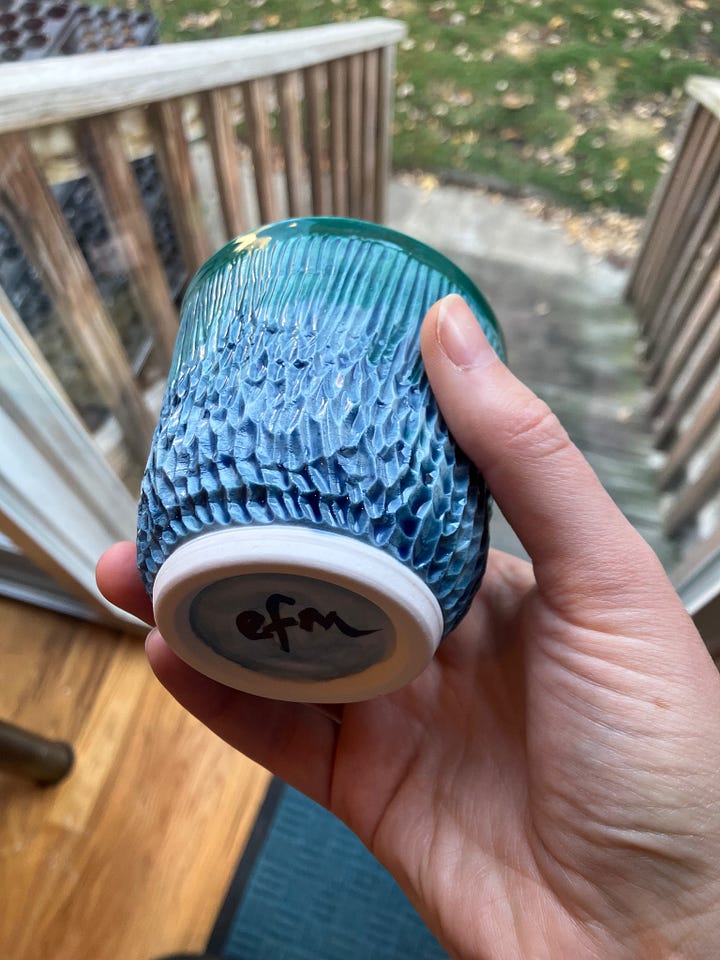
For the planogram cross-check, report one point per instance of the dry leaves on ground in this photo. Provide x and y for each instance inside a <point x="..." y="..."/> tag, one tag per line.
<point x="200" y="21"/>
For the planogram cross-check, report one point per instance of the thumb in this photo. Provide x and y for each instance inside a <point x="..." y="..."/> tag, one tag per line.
<point x="564" y="518"/>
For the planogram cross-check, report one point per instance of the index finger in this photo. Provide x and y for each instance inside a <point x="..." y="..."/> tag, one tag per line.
<point x="567" y="522"/>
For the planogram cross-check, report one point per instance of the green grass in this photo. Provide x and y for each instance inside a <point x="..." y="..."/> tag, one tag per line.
<point x="580" y="98"/>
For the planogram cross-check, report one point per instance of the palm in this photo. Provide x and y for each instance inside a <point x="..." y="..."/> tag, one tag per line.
<point x="475" y="780"/>
<point x="442" y="800"/>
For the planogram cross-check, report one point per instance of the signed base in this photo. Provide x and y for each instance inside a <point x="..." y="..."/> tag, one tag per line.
<point x="296" y="614"/>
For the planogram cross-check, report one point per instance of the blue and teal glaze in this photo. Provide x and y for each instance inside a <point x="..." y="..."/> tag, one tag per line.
<point x="297" y="395"/>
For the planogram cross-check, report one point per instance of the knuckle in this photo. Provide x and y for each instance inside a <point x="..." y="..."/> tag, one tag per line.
<point x="535" y="431"/>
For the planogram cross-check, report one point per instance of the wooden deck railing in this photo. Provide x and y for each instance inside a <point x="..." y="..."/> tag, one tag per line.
<point x="675" y="289"/>
<point x="306" y="111"/>
<point x="231" y="133"/>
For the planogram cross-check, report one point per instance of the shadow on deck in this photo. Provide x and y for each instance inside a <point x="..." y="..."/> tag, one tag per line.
<point x="569" y="335"/>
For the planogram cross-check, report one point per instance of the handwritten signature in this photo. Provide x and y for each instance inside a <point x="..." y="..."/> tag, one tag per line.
<point x="253" y="625"/>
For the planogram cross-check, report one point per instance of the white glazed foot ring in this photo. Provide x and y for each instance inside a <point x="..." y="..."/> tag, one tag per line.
<point x="295" y="614"/>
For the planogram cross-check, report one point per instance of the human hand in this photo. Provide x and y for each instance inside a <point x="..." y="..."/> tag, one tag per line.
<point x="549" y="787"/>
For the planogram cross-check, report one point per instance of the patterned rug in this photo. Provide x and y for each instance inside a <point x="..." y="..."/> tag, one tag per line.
<point x="307" y="889"/>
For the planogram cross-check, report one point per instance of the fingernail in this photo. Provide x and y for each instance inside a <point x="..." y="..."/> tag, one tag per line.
<point x="150" y="638"/>
<point x="460" y="335"/>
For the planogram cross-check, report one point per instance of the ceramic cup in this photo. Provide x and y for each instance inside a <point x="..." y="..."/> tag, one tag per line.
<point x="307" y="528"/>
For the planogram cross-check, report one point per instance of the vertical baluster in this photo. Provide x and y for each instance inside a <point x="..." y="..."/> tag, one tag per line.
<point x="690" y="439"/>
<point x="386" y="74"/>
<point x="291" y="132"/>
<point x="370" y="132"/>
<point x="255" y="98"/>
<point x="692" y="498"/>
<point x="704" y="311"/>
<point x="354" y="133"/>
<point x="685" y="359"/>
<point x="337" y="83"/>
<point x="173" y="153"/>
<point x="690" y="311"/>
<point x="101" y="145"/>
<point x="314" y="110"/>
<point x="217" y="112"/>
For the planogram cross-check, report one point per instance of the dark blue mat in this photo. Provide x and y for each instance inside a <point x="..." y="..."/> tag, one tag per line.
<point x="307" y="889"/>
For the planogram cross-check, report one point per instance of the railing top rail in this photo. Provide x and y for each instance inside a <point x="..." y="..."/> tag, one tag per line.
<point x="706" y="90"/>
<point x="60" y="89"/>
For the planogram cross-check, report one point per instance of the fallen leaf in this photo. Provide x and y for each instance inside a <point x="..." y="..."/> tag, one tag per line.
<point x="516" y="101"/>
<point x="562" y="147"/>
<point x="199" y="21"/>
<point x="461" y="98"/>
<point x="556" y="22"/>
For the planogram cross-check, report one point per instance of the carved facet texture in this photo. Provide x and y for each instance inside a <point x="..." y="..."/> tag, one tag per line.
<point x="298" y="396"/>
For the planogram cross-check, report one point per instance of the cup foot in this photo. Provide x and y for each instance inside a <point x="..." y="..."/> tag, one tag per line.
<point x="291" y="613"/>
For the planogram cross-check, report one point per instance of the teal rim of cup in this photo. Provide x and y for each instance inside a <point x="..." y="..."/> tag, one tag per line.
<point x="345" y="227"/>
